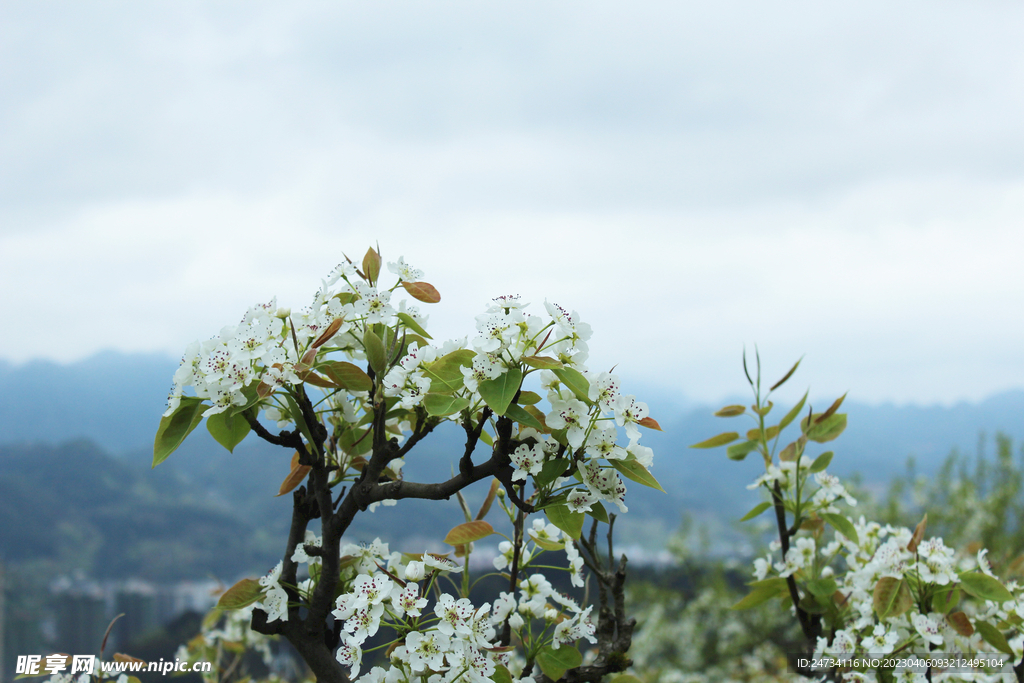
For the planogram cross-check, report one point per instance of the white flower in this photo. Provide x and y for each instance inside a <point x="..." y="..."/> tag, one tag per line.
<point x="527" y="460"/>
<point x="927" y="627"/>
<point x="404" y="271"/>
<point x="605" y="483"/>
<point x="580" y="500"/>
<point x="453" y="615"/>
<point x="426" y="650"/>
<point x="628" y="413"/>
<point x="275" y="603"/>
<point x="373" y="304"/>
<point x="570" y="415"/>
<point x="545" y="532"/>
<point x="601" y="444"/>
<point x="350" y="654"/>
<point x="505" y="554"/>
<point x="407" y="600"/>
<point x="604" y="390"/>
<point x="441" y="563"/>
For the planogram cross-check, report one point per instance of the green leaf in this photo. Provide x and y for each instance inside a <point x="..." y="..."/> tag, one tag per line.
<point x="346" y="375"/>
<point x="501" y="674"/>
<point x="469" y="532"/>
<point x="730" y="411"/>
<point x="758" y="509"/>
<point x="548" y="545"/>
<point x="443" y="404"/>
<point x="499" y="392"/>
<point x="554" y="663"/>
<point x="822" y="587"/>
<point x="528" y="398"/>
<point x="551" y="470"/>
<point x="598" y="512"/>
<point x="300" y="421"/>
<point x="375" y="354"/>
<point x="228" y="430"/>
<point x="842" y="525"/>
<point x="519" y="415"/>
<point x="252" y="397"/>
<point x="410" y="322"/>
<point x="763" y="591"/>
<point x="945" y="600"/>
<point x="542" y="362"/>
<point x="637" y="472"/>
<point x="739" y="451"/>
<point x="821" y="462"/>
<point x="984" y="587"/>
<point x="715" y="441"/>
<point x="826" y="430"/>
<point x="791" y="415"/>
<point x="891" y="597"/>
<point x="446" y="372"/>
<point x="576" y="382"/>
<point x="175" y="427"/>
<point x="242" y="594"/>
<point x="569" y="522"/>
<point x="993" y="636"/>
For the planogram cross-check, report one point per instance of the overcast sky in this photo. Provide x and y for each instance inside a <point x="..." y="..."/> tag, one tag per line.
<point x="843" y="180"/>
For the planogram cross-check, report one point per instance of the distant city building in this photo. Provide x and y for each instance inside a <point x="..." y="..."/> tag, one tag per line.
<point x="80" y="608"/>
<point x="137" y="601"/>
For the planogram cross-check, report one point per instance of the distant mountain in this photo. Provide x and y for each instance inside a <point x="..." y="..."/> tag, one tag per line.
<point x="206" y="510"/>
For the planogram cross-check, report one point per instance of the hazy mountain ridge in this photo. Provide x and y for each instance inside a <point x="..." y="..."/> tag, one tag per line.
<point x="65" y="499"/>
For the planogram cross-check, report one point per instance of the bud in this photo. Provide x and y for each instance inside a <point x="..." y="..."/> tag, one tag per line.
<point x="501" y="493"/>
<point x="284" y="312"/>
<point x="414" y="571"/>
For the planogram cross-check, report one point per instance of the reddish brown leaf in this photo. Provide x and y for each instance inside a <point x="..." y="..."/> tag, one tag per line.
<point x="650" y="423"/>
<point x="331" y="330"/>
<point x="422" y="291"/>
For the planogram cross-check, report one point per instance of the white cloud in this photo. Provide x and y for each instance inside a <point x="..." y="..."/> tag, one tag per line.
<point x="839" y="179"/>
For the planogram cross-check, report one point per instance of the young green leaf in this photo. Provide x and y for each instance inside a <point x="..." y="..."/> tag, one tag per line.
<point x="410" y="322"/>
<point x="228" y="430"/>
<point x="763" y="591"/>
<point x="637" y="472"/>
<point x="346" y="375"/>
<point x="569" y="522"/>
<point x="715" y="441"/>
<point x="440" y="405"/>
<point x="842" y="525"/>
<point x="984" y="587"/>
<point x="554" y="663"/>
<point x="542" y="362"/>
<point x="175" y="427"/>
<point x="242" y="594"/>
<point x="794" y="411"/>
<point x="821" y="462"/>
<point x="576" y="382"/>
<point x="499" y="392"/>
<point x="758" y="509"/>
<point x="739" y="451"/>
<point x="375" y="353"/>
<point x="523" y="417"/>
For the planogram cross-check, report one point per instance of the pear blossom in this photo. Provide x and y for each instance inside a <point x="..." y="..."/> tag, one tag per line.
<point x="605" y="483"/>
<point x="570" y="415"/>
<point x="404" y="271"/>
<point x="527" y="460"/>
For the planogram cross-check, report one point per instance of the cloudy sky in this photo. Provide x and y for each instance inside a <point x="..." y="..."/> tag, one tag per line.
<point x="837" y="179"/>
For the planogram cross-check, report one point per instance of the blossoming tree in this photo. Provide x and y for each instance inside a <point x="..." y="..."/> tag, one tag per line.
<point x="875" y="603"/>
<point x="350" y="385"/>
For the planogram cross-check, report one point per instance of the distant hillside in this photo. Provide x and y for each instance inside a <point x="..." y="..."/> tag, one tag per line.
<point x="69" y="500"/>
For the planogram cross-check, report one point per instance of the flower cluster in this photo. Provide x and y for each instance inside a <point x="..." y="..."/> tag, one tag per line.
<point x="865" y="590"/>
